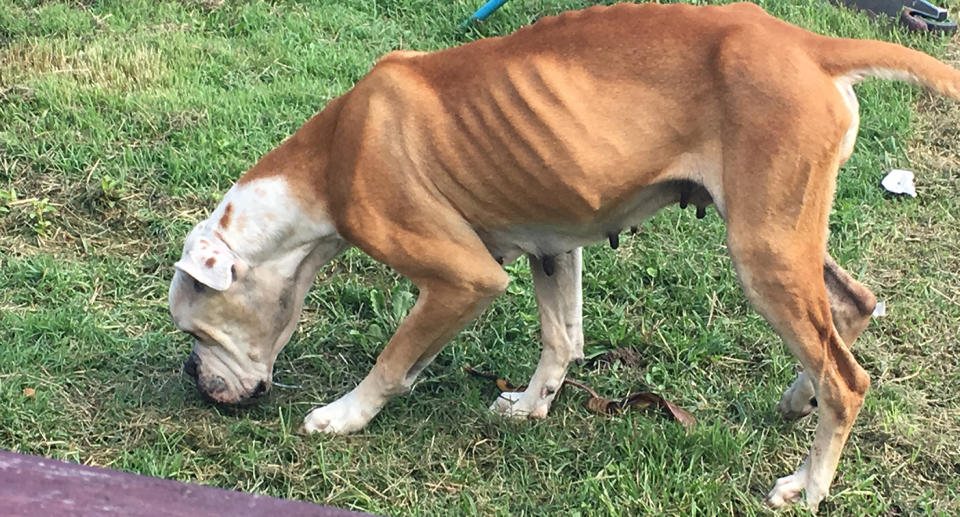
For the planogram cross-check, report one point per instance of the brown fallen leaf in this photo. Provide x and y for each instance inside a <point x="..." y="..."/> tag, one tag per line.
<point x="501" y="383"/>
<point x="505" y="385"/>
<point x="29" y="392"/>
<point x="577" y="384"/>
<point x="646" y="399"/>
<point x="602" y="405"/>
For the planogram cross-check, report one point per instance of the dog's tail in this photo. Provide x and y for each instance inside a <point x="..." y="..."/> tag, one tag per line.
<point x="858" y="59"/>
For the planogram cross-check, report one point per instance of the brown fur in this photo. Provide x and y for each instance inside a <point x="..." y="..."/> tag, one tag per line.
<point x="225" y="218"/>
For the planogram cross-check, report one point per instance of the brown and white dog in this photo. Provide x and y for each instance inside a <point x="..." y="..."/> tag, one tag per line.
<point x="446" y="165"/>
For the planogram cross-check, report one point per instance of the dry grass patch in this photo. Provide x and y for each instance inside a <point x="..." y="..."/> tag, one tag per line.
<point x="131" y="65"/>
<point x="912" y="423"/>
<point x="49" y="216"/>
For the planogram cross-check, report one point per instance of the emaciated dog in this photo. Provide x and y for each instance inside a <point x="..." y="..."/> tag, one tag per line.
<point x="446" y="165"/>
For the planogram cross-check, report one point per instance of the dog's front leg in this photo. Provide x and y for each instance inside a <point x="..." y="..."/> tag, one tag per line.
<point x="445" y="306"/>
<point x="559" y="301"/>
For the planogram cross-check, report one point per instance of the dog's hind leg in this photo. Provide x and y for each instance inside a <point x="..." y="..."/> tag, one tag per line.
<point x="559" y="301"/>
<point x="774" y="227"/>
<point x="851" y="305"/>
<point x="777" y="188"/>
<point x="785" y="288"/>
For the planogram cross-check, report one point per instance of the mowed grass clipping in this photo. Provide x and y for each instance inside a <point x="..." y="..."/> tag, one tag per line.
<point x="123" y="122"/>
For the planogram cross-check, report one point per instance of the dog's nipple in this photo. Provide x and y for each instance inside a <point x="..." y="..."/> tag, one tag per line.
<point x="684" y="198"/>
<point x="547" y="263"/>
<point x="701" y="212"/>
<point x="614" y="238"/>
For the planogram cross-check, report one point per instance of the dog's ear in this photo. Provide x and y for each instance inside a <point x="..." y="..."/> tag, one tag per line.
<point x="209" y="261"/>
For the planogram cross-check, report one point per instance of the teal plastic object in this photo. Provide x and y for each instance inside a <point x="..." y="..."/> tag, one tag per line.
<point x="483" y="12"/>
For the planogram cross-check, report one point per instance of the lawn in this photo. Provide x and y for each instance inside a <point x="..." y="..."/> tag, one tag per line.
<point x="123" y="122"/>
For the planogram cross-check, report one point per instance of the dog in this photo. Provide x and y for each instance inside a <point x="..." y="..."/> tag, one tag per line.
<point x="447" y="165"/>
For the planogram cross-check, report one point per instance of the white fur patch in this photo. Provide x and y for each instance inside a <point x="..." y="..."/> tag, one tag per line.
<point x="348" y="414"/>
<point x="856" y="76"/>
<point x="845" y="85"/>
<point x="788" y="490"/>
<point x="261" y="220"/>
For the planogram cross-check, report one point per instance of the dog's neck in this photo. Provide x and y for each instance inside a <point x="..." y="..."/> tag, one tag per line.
<point x="262" y="219"/>
<point x="278" y="207"/>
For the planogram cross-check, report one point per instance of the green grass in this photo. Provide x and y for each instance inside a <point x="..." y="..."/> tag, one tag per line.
<point x="122" y="122"/>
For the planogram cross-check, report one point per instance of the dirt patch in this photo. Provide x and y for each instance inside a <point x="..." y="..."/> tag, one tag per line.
<point x="85" y="219"/>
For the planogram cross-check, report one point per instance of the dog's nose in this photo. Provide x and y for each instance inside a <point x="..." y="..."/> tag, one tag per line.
<point x="259" y="390"/>
<point x="190" y="367"/>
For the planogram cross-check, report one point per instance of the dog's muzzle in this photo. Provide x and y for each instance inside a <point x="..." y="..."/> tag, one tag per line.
<point x="214" y="388"/>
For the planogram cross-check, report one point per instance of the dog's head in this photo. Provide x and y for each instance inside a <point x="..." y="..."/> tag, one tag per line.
<point x="238" y="288"/>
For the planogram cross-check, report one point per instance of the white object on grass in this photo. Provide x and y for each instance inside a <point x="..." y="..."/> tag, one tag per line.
<point x="880" y="309"/>
<point x="899" y="181"/>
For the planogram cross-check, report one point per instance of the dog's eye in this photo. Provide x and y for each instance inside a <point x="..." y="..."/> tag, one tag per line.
<point x="198" y="287"/>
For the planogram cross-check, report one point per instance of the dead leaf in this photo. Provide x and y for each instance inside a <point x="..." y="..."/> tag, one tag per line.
<point x="646" y="399"/>
<point x="29" y="392"/>
<point x="683" y="416"/>
<point x="641" y="400"/>
<point x="505" y="385"/>
<point x="501" y="383"/>
<point x="577" y="384"/>
<point x="476" y="373"/>
<point x="602" y="405"/>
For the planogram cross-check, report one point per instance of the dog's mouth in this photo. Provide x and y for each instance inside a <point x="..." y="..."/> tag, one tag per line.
<point x="215" y="389"/>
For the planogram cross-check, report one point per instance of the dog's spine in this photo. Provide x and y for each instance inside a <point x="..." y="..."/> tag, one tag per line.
<point x="858" y="59"/>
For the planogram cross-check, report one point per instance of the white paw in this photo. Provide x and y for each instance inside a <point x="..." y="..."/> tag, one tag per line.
<point x="787" y="490"/>
<point x="348" y="414"/>
<point x="505" y="403"/>
<point x="520" y="405"/>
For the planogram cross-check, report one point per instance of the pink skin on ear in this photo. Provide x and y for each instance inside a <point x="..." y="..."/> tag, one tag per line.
<point x="209" y="261"/>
